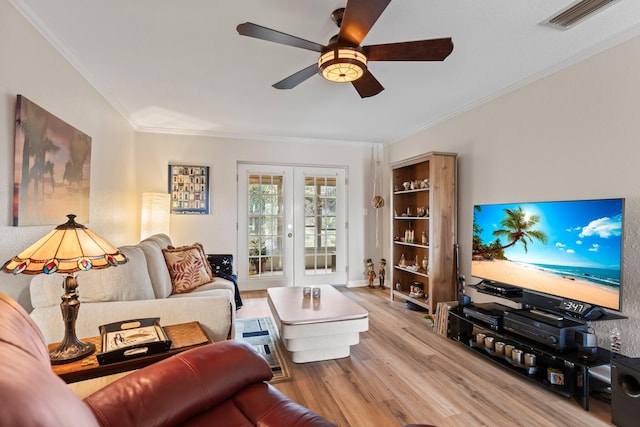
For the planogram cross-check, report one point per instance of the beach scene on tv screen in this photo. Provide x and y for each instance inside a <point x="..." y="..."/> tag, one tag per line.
<point x="571" y="248"/>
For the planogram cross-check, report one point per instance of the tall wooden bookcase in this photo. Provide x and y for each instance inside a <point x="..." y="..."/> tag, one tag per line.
<point x="423" y="229"/>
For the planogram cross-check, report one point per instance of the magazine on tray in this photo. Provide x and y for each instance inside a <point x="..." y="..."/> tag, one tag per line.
<point x="131" y="339"/>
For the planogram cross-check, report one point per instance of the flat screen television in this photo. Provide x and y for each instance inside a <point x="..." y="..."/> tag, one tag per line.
<point x="569" y="249"/>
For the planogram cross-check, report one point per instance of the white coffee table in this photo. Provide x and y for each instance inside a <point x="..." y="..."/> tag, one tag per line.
<point x="314" y="329"/>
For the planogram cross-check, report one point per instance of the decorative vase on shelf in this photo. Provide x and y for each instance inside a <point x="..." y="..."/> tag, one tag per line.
<point x="408" y="235"/>
<point x="425" y="263"/>
<point x="424" y="240"/>
<point x="403" y="262"/>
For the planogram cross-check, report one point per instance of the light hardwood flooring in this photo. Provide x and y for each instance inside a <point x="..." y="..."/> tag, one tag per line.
<point x="401" y="373"/>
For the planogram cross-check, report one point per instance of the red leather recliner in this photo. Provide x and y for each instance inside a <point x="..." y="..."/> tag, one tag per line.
<point x="218" y="384"/>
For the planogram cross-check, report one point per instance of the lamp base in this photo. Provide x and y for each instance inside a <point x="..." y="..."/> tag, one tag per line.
<point x="68" y="352"/>
<point x="71" y="348"/>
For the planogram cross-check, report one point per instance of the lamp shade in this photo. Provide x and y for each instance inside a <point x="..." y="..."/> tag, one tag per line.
<point x="155" y="214"/>
<point x="68" y="248"/>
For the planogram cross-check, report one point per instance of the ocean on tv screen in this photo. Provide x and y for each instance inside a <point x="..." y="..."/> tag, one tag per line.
<point x="571" y="249"/>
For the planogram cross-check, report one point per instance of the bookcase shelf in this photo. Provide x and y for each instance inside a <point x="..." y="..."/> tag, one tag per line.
<point x="428" y="212"/>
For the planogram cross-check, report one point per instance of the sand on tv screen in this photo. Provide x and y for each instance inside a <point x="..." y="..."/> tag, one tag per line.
<point x="571" y="249"/>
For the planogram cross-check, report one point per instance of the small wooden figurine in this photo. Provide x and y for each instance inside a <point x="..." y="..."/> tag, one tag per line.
<point x="371" y="274"/>
<point x="381" y="273"/>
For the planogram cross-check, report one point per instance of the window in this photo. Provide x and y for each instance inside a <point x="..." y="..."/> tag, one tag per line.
<point x="265" y="224"/>
<point x="319" y="224"/>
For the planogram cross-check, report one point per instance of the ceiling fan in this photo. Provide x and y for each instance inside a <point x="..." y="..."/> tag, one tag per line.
<point x="343" y="59"/>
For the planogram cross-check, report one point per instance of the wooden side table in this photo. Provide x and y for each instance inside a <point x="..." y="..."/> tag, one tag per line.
<point x="184" y="336"/>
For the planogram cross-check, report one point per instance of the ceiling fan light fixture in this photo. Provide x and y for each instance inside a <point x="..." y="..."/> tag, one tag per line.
<point x="342" y="64"/>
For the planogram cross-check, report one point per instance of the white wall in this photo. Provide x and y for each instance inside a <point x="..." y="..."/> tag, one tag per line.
<point x="125" y="164"/>
<point x="572" y="135"/>
<point x="30" y="66"/>
<point x="217" y="230"/>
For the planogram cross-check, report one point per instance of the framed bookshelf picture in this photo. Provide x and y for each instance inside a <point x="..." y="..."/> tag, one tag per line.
<point x="189" y="189"/>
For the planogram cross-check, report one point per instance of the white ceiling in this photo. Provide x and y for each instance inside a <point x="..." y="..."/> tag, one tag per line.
<point x="179" y="66"/>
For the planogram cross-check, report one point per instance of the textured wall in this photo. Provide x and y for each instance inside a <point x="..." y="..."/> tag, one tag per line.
<point x="572" y="135"/>
<point x="33" y="68"/>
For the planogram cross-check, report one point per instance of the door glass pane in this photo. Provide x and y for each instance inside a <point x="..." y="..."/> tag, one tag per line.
<point x="265" y="225"/>
<point x="320" y="225"/>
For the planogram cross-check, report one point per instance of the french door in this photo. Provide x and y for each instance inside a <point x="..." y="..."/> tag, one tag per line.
<point x="291" y="226"/>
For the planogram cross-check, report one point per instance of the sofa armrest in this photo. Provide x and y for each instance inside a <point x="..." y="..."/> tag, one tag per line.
<point x="264" y="405"/>
<point x="181" y="387"/>
<point x="216" y="314"/>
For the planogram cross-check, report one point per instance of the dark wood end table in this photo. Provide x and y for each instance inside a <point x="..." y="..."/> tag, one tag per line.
<point x="184" y="336"/>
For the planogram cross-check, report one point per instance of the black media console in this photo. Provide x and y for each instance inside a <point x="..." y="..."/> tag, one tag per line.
<point x="538" y="345"/>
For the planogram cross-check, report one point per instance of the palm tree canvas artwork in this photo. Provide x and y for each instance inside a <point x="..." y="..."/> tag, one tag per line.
<point x="52" y="168"/>
<point x="563" y="248"/>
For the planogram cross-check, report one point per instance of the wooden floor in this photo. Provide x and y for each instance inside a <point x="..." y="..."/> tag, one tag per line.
<point x="401" y="373"/>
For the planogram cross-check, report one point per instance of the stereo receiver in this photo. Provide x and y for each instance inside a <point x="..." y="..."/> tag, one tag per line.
<point x="559" y="334"/>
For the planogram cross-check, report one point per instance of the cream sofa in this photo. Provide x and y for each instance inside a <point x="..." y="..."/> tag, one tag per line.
<point x="138" y="289"/>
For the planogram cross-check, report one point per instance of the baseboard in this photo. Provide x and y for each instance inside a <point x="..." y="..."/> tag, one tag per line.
<point x="357" y="283"/>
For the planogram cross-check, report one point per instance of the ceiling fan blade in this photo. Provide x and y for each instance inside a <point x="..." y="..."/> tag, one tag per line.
<point x="296" y="78"/>
<point x="359" y="17"/>
<point x="419" y="50"/>
<point x="367" y="85"/>
<point x="263" y="33"/>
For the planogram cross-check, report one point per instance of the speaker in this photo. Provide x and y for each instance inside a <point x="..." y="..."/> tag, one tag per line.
<point x="587" y="345"/>
<point x="625" y="391"/>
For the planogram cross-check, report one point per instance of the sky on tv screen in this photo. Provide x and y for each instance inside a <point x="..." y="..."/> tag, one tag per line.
<point x="583" y="234"/>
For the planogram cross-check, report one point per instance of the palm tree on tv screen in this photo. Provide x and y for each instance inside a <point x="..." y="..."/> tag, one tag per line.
<point x="516" y="227"/>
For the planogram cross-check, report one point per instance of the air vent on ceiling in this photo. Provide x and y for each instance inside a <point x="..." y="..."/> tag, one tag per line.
<point x="579" y="11"/>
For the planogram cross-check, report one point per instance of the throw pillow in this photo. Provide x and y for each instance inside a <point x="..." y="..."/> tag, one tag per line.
<point x="207" y="266"/>
<point x="188" y="267"/>
<point x="221" y="264"/>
